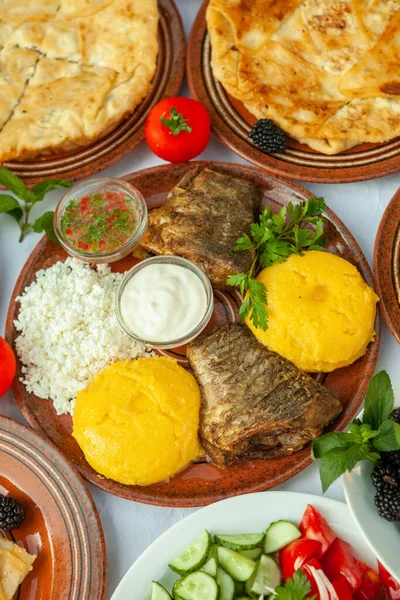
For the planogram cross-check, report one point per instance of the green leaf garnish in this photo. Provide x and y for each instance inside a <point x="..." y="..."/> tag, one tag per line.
<point x="272" y="240"/>
<point x="296" y="588"/>
<point x="340" y="452"/>
<point x="20" y="207"/>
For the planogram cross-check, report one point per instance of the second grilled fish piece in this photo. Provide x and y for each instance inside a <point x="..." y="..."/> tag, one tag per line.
<point x="201" y="220"/>
<point x="255" y="403"/>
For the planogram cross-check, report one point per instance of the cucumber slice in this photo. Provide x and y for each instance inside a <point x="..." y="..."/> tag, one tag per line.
<point x="158" y="592"/>
<point x="237" y="566"/>
<point x="196" y="586"/>
<point x="194" y="556"/>
<point x="279" y="535"/>
<point x="265" y="578"/>
<point x="226" y="585"/>
<point x="239" y="588"/>
<point x="210" y="567"/>
<point x="246" y="541"/>
<point x="253" y="554"/>
<point x="213" y="552"/>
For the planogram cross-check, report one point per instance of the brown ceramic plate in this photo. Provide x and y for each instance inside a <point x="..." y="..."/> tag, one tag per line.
<point x="387" y="265"/>
<point x="232" y="122"/>
<point x="202" y="483"/>
<point x="62" y="526"/>
<point x="89" y="160"/>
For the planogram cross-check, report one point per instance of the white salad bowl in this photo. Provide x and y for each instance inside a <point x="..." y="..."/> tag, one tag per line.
<point x="250" y="513"/>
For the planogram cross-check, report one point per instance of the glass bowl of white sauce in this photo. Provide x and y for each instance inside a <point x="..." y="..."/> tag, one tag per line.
<point x="164" y="301"/>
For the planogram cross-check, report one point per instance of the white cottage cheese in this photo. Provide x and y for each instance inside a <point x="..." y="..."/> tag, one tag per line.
<point x="69" y="331"/>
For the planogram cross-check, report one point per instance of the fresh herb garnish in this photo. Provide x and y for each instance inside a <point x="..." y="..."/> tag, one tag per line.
<point x="297" y="588"/>
<point x="366" y="439"/>
<point x="20" y="207"/>
<point x="272" y="240"/>
<point x="176" y="122"/>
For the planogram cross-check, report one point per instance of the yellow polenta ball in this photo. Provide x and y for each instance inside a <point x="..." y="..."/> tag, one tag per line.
<point x="321" y="311"/>
<point x="137" y="422"/>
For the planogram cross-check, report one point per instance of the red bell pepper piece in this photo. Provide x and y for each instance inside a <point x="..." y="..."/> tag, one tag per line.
<point x="339" y="560"/>
<point x="371" y="584"/>
<point x="296" y="554"/>
<point x="313" y="526"/>
<point x="342" y="589"/>
<point x="392" y="586"/>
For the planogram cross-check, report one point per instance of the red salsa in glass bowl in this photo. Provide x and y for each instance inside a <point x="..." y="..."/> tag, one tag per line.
<point x="101" y="220"/>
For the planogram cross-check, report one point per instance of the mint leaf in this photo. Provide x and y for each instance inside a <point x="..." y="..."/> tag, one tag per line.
<point x="13" y="183"/>
<point x="9" y="205"/>
<point x="331" y="441"/>
<point x="388" y="437"/>
<point x="355" y="454"/>
<point x="379" y="400"/>
<point x="46" y="223"/>
<point x="38" y="192"/>
<point x="332" y="466"/>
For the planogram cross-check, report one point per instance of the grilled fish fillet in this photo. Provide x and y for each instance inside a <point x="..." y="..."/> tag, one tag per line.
<point x="255" y="403"/>
<point x="201" y="220"/>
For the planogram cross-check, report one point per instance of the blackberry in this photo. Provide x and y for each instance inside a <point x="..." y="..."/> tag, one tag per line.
<point x="12" y="513"/>
<point x="391" y="458"/>
<point x="387" y="501"/>
<point x="395" y="415"/>
<point x="268" y="136"/>
<point x="385" y="475"/>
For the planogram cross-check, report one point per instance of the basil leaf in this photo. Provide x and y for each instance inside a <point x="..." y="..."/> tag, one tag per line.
<point x="46" y="223"/>
<point x="38" y="192"/>
<point x="9" y="205"/>
<point x="379" y="400"/>
<point x="332" y="466"/>
<point x="388" y="437"/>
<point x="331" y="441"/>
<point x="13" y="183"/>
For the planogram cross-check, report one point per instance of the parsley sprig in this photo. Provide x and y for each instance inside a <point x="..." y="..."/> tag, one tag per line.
<point x="339" y="452"/>
<point x="297" y="588"/>
<point x="272" y="240"/>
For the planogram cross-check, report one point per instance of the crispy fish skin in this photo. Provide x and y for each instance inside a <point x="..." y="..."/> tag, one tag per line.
<point x="201" y="220"/>
<point x="255" y="403"/>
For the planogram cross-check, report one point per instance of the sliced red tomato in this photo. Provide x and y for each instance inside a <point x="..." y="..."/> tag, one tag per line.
<point x="342" y="589"/>
<point x="296" y="554"/>
<point x="177" y="129"/>
<point x="8" y="366"/>
<point x="339" y="561"/>
<point x="313" y="526"/>
<point x="308" y="571"/>
<point x="391" y="585"/>
<point x="371" y="584"/>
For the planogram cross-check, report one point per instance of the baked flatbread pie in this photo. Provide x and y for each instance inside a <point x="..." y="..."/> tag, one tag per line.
<point x="15" y="564"/>
<point x="71" y="70"/>
<point x="326" y="71"/>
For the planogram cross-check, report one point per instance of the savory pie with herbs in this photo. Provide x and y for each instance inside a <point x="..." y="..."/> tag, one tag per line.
<point x="71" y="70"/>
<point x="15" y="564"/>
<point x="326" y="71"/>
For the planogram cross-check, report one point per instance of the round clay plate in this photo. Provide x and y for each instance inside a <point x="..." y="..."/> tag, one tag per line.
<point x="61" y="527"/>
<point x="89" y="160"/>
<point x="387" y="265"/>
<point x="232" y="123"/>
<point x="202" y="483"/>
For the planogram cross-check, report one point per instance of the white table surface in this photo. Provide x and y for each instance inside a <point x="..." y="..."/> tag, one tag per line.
<point x="130" y="527"/>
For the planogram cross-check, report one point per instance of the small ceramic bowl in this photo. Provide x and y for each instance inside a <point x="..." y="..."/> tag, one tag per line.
<point x="170" y="260"/>
<point x="102" y="185"/>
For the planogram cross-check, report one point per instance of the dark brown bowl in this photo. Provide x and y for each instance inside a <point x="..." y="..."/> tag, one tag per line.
<point x="202" y="483"/>
<point x="103" y="153"/>
<point x="387" y="265"/>
<point x="232" y="122"/>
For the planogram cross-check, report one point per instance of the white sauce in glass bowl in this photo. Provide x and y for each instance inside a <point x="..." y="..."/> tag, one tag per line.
<point x="163" y="302"/>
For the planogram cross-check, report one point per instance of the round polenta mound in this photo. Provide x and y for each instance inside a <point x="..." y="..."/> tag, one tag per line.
<point x="137" y="422"/>
<point x="321" y="311"/>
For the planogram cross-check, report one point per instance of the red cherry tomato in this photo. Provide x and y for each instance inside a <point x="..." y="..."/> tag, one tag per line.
<point x="8" y="366"/>
<point x="313" y="526"/>
<point x="392" y="587"/>
<point x="339" y="561"/>
<point x="177" y="129"/>
<point x="371" y="584"/>
<point x="296" y="554"/>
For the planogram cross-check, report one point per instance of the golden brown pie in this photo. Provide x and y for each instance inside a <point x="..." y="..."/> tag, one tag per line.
<point x="15" y="564"/>
<point x="71" y="70"/>
<point x="326" y="71"/>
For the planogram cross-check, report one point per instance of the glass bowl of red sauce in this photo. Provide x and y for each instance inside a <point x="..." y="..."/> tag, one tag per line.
<point x="101" y="220"/>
